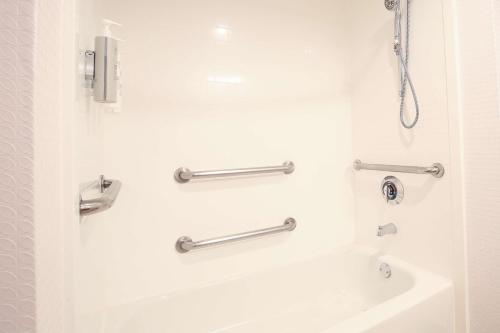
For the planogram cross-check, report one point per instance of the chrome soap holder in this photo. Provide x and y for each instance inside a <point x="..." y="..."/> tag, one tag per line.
<point x="109" y="188"/>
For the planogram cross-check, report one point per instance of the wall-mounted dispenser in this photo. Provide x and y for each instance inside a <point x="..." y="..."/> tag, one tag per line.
<point x="102" y="66"/>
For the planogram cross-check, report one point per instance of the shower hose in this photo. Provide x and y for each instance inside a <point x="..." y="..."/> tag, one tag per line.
<point x="406" y="76"/>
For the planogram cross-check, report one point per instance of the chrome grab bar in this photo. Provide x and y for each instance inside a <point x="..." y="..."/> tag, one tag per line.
<point x="184" y="175"/>
<point x="185" y="244"/>
<point x="109" y="189"/>
<point x="436" y="170"/>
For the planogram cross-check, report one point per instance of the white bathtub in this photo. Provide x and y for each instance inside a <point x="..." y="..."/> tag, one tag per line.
<point x="341" y="292"/>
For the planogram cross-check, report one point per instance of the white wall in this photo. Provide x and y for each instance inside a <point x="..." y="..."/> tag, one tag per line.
<point x="55" y="196"/>
<point x="429" y="234"/>
<point x="292" y="104"/>
<point x="478" y="38"/>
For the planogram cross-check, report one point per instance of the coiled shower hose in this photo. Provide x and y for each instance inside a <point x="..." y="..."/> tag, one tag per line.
<point x="406" y="75"/>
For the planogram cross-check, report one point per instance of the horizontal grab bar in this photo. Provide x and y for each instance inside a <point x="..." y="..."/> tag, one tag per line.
<point x="185" y="244"/>
<point x="183" y="175"/>
<point x="109" y="189"/>
<point x="436" y="170"/>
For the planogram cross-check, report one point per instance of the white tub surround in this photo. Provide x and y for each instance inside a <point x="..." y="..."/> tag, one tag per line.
<point x="234" y="84"/>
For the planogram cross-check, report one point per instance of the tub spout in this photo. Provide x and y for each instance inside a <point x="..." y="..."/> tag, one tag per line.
<point x="387" y="229"/>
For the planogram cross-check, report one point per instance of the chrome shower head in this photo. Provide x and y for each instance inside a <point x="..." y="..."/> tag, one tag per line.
<point x="391" y="4"/>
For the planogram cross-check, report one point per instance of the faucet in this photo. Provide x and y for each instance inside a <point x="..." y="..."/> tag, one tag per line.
<point x="387" y="229"/>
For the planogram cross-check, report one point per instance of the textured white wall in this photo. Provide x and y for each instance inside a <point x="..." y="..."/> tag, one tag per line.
<point x="478" y="35"/>
<point x="32" y="175"/>
<point x="17" y="264"/>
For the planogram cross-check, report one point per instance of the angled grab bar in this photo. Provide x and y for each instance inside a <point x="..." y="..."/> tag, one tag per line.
<point x="185" y="244"/>
<point x="109" y="189"/>
<point x="184" y="175"/>
<point x="436" y="170"/>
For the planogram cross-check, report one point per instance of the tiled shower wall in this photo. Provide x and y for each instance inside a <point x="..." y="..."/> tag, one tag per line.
<point x="17" y="278"/>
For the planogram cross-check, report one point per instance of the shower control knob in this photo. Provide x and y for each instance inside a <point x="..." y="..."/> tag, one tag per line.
<point x="392" y="190"/>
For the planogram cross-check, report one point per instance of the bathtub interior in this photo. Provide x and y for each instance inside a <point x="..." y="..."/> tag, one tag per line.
<point x="340" y="285"/>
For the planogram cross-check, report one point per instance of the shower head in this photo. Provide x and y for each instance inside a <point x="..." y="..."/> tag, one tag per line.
<point x="391" y="4"/>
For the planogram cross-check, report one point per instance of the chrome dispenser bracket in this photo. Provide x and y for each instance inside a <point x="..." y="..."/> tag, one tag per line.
<point x="89" y="67"/>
